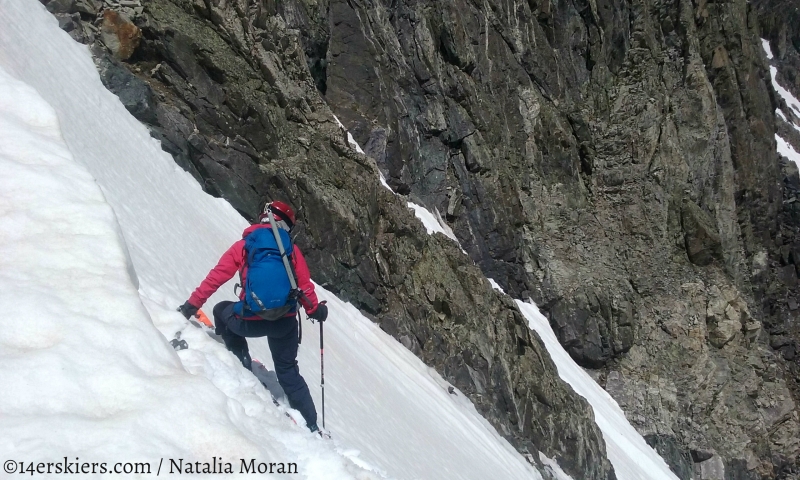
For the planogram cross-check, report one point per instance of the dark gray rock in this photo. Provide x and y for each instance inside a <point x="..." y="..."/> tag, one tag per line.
<point x="678" y="459"/>
<point x="703" y="244"/>
<point x="579" y="331"/>
<point x="592" y="327"/>
<point x="737" y="469"/>
<point x="135" y="94"/>
<point x="68" y="22"/>
<point x="61" y="6"/>
<point x="700" y="455"/>
<point x="90" y="8"/>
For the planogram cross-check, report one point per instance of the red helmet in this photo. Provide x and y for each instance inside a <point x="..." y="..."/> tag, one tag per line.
<point x="281" y="211"/>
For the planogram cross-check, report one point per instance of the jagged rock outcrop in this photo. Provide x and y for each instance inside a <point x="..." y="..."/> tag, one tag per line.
<point x="613" y="160"/>
<point x="700" y="234"/>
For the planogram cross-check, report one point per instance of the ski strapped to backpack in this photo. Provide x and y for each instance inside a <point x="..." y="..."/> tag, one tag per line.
<point x="267" y="294"/>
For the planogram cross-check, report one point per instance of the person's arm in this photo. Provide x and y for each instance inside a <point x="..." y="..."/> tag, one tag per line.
<point x="230" y="263"/>
<point x="310" y="301"/>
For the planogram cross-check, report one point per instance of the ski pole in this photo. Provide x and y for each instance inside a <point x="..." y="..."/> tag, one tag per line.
<point x="322" y="372"/>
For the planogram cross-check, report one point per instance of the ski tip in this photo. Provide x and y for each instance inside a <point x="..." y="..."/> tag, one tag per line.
<point x="256" y="364"/>
<point x="204" y="319"/>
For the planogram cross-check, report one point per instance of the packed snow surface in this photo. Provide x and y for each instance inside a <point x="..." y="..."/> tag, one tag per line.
<point x="767" y="48"/>
<point x="496" y="285"/>
<point x="786" y="150"/>
<point x="90" y="209"/>
<point x="432" y="221"/>
<point x="787" y="96"/>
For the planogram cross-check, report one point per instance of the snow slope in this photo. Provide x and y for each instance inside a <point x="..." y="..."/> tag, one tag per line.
<point x="785" y="149"/>
<point x="91" y="375"/>
<point x="87" y="376"/>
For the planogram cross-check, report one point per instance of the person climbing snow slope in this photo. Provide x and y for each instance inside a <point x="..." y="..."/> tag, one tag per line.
<point x="267" y="305"/>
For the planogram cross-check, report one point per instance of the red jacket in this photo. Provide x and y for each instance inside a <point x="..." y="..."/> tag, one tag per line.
<point x="232" y="261"/>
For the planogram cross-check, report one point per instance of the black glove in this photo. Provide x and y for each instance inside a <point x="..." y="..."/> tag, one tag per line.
<point x="321" y="313"/>
<point x="188" y="310"/>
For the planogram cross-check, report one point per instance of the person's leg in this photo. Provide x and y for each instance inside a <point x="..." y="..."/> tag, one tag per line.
<point x="221" y="311"/>
<point x="284" y="356"/>
<point x="226" y="323"/>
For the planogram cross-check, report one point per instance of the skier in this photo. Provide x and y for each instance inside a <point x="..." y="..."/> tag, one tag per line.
<point x="236" y="320"/>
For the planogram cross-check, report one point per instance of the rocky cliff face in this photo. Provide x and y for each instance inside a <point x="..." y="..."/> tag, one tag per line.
<point x="615" y="161"/>
<point x="612" y="160"/>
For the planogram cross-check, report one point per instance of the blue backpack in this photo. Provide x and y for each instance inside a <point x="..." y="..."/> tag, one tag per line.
<point x="268" y="292"/>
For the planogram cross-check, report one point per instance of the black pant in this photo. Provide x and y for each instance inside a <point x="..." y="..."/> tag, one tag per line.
<point x="282" y="338"/>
